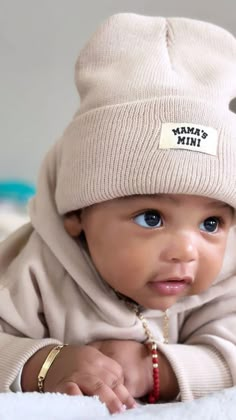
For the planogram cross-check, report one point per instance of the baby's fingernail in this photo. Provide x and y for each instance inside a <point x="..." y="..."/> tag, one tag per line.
<point x="135" y="405"/>
<point x="122" y="408"/>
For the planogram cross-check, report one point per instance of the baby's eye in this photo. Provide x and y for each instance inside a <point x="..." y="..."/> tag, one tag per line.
<point x="211" y="224"/>
<point x="149" y="219"/>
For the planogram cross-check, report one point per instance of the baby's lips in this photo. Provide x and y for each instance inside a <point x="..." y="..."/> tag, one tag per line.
<point x="186" y="279"/>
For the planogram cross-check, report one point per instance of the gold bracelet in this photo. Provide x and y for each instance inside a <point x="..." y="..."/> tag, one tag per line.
<point x="47" y="364"/>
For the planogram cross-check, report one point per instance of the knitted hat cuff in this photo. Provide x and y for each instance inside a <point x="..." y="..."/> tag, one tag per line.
<point x="114" y="151"/>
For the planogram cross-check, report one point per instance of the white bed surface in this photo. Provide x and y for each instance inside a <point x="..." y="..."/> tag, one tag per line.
<point x="34" y="406"/>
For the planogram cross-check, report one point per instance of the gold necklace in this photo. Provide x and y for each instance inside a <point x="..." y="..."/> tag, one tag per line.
<point x="136" y="308"/>
<point x="149" y="335"/>
<point x="166" y="327"/>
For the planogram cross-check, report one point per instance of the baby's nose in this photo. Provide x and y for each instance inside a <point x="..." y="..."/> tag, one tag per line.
<point x="181" y="248"/>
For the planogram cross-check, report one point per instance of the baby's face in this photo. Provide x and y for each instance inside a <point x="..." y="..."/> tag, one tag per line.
<point x="157" y="249"/>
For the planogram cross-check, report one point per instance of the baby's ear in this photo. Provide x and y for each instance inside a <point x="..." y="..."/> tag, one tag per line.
<point x="72" y="224"/>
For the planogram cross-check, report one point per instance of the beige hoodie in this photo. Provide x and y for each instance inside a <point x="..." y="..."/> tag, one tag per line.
<point x="50" y="292"/>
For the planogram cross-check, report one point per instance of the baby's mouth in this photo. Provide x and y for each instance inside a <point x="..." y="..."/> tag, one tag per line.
<point x="171" y="286"/>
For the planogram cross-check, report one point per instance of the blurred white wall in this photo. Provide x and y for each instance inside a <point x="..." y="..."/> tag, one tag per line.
<point x="39" y="43"/>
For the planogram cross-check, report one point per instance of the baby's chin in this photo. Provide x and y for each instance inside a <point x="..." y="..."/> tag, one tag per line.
<point x="158" y="303"/>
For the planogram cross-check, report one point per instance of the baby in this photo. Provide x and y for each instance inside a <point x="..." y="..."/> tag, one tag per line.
<point x="116" y="287"/>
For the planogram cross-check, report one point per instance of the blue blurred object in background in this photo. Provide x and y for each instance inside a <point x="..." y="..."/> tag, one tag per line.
<point x="17" y="191"/>
<point x="14" y="197"/>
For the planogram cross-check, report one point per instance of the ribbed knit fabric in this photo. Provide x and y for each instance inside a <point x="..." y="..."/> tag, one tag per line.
<point x="191" y="371"/>
<point x="136" y="75"/>
<point x="15" y="351"/>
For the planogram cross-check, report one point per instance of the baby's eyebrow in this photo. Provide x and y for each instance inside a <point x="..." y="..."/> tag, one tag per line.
<point x="220" y="204"/>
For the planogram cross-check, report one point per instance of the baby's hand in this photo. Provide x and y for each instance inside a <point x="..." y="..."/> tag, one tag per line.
<point x="84" y="370"/>
<point x="135" y="359"/>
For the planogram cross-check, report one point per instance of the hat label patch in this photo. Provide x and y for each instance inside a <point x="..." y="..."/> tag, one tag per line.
<point x="194" y="137"/>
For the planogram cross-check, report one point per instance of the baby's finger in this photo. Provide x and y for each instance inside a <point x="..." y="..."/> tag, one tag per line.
<point x="69" y="388"/>
<point x="109" y="397"/>
<point x="124" y="396"/>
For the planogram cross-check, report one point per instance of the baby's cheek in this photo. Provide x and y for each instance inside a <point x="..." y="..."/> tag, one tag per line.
<point x="124" y="270"/>
<point x="209" y="270"/>
<point x="217" y="260"/>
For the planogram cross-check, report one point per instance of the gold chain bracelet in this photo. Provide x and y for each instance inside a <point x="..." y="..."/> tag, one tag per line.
<point x="47" y="364"/>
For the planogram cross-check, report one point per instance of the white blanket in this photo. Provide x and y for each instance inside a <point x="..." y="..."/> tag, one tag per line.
<point x="34" y="406"/>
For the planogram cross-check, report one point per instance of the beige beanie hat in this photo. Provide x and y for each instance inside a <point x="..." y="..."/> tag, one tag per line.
<point x="154" y="114"/>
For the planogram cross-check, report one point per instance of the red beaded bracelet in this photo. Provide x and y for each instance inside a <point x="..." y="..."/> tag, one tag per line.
<point x="154" y="396"/>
